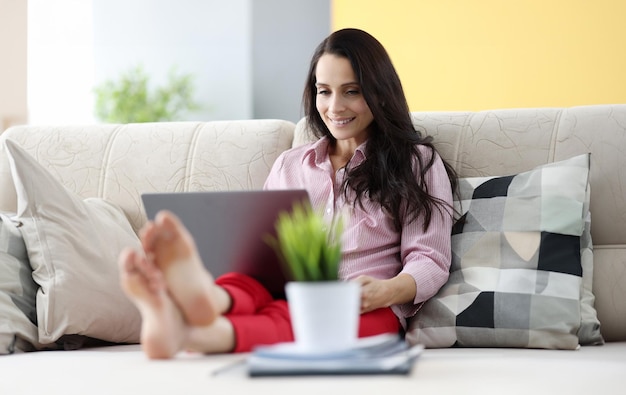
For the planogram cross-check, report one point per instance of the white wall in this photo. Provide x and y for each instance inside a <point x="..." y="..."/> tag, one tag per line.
<point x="12" y="63"/>
<point x="208" y="38"/>
<point x="60" y="61"/>
<point x="285" y="34"/>
<point x="249" y="57"/>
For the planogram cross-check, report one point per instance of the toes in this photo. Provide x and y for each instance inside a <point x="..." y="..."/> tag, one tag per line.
<point x="138" y="276"/>
<point x="127" y="261"/>
<point x="168" y="220"/>
<point x="148" y="235"/>
<point x="171" y="227"/>
<point x="171" y="254"/>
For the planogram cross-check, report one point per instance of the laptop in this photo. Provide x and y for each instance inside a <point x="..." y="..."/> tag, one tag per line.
<point x="229" y="229"/>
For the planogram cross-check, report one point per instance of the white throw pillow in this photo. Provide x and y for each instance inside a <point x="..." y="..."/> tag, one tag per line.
<point x="73" y="245"/>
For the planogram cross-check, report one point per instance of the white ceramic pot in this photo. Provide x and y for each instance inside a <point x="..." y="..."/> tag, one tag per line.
<point x="324" y="315"/>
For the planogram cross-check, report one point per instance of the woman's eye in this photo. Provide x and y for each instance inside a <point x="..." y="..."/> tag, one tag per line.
<point x="352" y="92"/>
<point x="322" y="92"/>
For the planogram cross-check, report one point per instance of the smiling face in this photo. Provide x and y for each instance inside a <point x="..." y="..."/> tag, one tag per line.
<point x="339" y="100"/>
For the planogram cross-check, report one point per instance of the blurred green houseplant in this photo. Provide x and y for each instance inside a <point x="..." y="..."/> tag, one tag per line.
<point x="309" y="248"/>
<point x="129" y="99"/>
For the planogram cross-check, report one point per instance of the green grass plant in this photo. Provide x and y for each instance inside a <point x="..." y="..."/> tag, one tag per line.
<point x="309" y="247"/>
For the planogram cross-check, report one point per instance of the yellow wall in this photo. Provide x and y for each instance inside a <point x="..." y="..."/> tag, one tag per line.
<point x="485" y="54"/>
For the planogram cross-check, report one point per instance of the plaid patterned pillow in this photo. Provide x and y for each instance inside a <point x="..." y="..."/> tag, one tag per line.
<point x="516" y="275"/>
<point x="18" y="314"/>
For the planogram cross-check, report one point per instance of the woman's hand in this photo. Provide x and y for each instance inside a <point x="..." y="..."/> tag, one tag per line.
<point x="376" y="293"/>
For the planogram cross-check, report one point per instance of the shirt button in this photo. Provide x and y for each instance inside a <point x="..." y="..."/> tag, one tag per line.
<point x="328" y="211"/>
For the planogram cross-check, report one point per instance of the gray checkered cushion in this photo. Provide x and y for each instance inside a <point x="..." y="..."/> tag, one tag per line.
<point x="516" y="278"/>
<point x="589" y="331"/>
<point x="18" y="315"/>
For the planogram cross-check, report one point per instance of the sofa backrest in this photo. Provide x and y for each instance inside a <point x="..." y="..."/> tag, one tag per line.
<point x="505" y="142"/>
<point x="119" y="162"/>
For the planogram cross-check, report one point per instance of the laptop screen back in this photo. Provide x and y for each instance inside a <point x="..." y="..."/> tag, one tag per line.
<point x="229" y="228"/>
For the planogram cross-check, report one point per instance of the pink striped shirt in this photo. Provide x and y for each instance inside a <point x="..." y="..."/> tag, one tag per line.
<point x="370" y="243"/>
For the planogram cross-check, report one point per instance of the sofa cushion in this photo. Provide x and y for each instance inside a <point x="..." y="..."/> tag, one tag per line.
<point x="73" y="245"/>
<point x="516" y="274"/>
<point x="18" y="315"/>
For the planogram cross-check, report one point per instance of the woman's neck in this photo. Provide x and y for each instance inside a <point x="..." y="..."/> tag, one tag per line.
<point x="341" y="152"/>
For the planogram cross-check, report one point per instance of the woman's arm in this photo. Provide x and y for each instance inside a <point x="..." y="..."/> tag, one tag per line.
<point x="426" y="254"/>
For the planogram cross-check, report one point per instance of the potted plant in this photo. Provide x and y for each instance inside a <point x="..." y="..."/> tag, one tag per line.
<point x="129" y="98"/>
<point x="324" y="311"/>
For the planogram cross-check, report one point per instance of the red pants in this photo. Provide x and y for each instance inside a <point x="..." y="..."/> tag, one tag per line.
<point x="259" y="319"/>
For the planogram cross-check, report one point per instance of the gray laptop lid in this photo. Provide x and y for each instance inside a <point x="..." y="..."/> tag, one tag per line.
<point x="229" y="226"/>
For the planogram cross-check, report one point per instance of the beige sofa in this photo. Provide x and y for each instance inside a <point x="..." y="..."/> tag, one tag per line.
<point x="78" y="297"/>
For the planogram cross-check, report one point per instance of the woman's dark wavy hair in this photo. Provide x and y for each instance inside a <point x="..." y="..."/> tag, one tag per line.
<point x="386" y="175"/>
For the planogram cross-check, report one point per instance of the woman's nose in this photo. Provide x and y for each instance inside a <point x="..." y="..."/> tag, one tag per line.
<point x="336" y="104"/>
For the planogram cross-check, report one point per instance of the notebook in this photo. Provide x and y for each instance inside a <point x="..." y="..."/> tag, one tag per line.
<point x="229" y="227"/>
<point x="379" y="354"/>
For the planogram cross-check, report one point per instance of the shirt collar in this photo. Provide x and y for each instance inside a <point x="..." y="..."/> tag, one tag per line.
<point x="318" y="151"/>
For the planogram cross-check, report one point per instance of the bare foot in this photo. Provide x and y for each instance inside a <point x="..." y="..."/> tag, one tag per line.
<point x="172" y="249"/>
<point x="163" y="330"/>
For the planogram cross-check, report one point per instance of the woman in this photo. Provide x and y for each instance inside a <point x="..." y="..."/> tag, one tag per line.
<point x="368" y="160"/>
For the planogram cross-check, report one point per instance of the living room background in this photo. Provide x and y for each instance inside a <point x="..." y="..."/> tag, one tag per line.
<point x="248" y="58"/>
<point x="450" y="54"/>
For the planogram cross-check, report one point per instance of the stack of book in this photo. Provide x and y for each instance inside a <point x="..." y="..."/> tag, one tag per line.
<point x="382" y="354"/>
